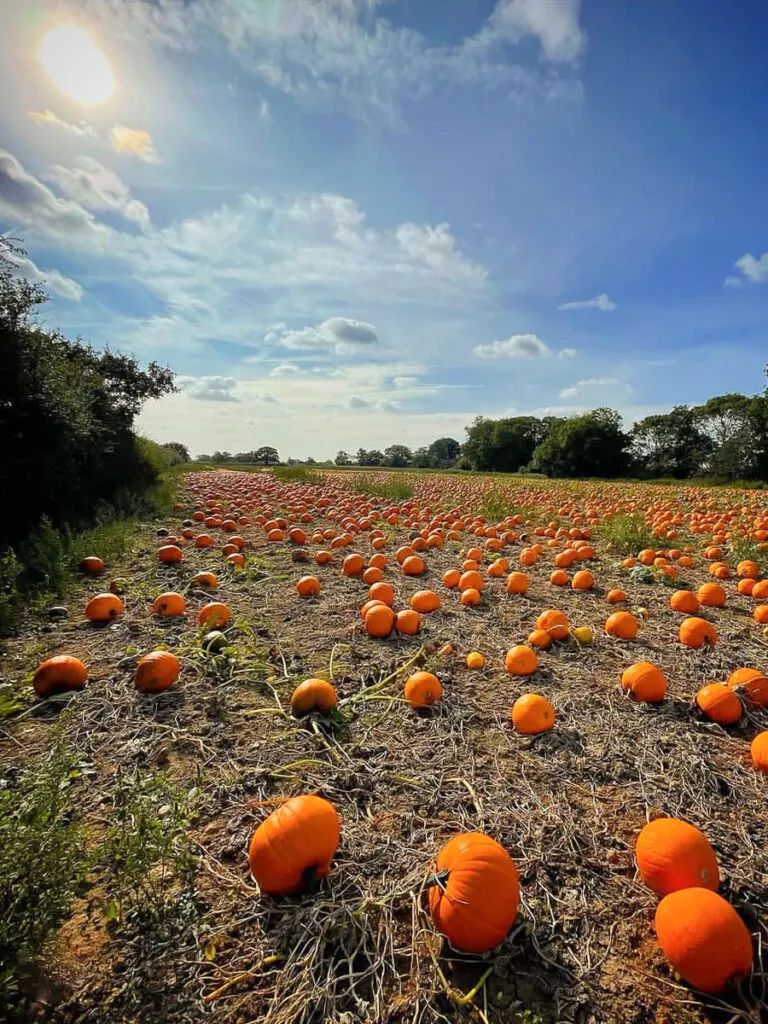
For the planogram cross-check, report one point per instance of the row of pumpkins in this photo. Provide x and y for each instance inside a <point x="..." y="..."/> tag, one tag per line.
<point x="474" y="890"/>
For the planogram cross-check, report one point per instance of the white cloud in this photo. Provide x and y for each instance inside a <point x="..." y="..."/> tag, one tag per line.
<point x="436" y="247"/>
<point x="52" y="280"/>
<point x="520" y="346"/>
<point x="135" y="141"/>
<point x="555" y="23"/>
<point x="754" y="269"/>
<point x="601" y="302"/>
<point x="568" y="353"/>
<point x="404" y="382"/>
<point x="95" y="187"/>
<point x="594" y="382"/>
<point x="283" y="370"/>
<point x="47" y="117"/>
<point x="209" y="389"/>
<point x="733" y="282"/>
<point x="339" y="334"/>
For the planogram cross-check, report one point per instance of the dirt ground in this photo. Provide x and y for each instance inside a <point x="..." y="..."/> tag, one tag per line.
<point x="567" y="804"/>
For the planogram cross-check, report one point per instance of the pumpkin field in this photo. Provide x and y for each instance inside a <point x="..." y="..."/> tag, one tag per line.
<point x="358" y="746"/>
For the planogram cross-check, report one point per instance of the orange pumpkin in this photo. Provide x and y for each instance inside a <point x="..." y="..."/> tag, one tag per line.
<point x="308" y="586"/>
<point x="583" y="580"/>
<point x="748" y="569"/>
<point x="372" y="575"/>
<point x="615" y="597"/>
<point x="425" y="601"/>
<point x="104" y="608"/>
<point x="752" y="683"/>
<point x="760" y="614"/>
<point x="63" y="672"/>
<point x="760" y="590"/>
<point x="645" y="682"/>
<point x="532" y="714"/>
<point x="157" y="671"/>
<point x="353" y="565"/>
<point x="559" y="578"/>
<point x="719" y="703"/>
<point x="475" y="660"/>
<point x="622" y="625"/>
<point x="695" y="632"/>
<point x="475" y="896"/>
<point x="214" y="615"/>
<point x="712" y="595"/>
<point x="313" y="695"/>
<point x="294" y="845"/>
<point x="379" y="621"/>
<point x="471" y="598"/>
<point x="323" y="557"/>
<point x="518" y="583"/>
<point x="92" y="565"/>
<point x="408" y="622"/>
<point x="383" y="592"/>
<point x="169" y="553"/>
<point x="206" y="579"/>
<point x="414" y="566"/>
<point x="672" y="855"/>
<point x="521" y="661"/>
<point x="422" y="690"/>
<point x="555" y="622"/>
<point x="471" y="580"/>
<point x="451" y="578"/>
<point x="703" y="938"/>
<point x="759" y="751"/>
<point x="169" y="605"/>
<point x="540" y="638"/>
<point x="684" y="601"/>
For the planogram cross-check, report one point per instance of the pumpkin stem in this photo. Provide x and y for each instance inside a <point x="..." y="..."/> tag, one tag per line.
<point x="440" y="878"/>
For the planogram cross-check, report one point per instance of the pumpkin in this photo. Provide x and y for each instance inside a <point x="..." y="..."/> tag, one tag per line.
<point x="451" y="578"/>
<point x="746" y="586"/>
<point x="213" y="615"/>
<point x="169" y="553"/>
<point x="684" y="601"/>
<point x="559" y="578"/>
<point x="671" y="855"/>
<point x="712" y="595"/>
<point x="353" y="565"/>
<point x="422" y="690"/>
<point x="379" y="621"/>
<point x="644" y="681"/>
<point x="475" y="660"/>
<point x="474" y="898"/>
<point x="703" y="938"/>
<point x="323" y="557"/>
<point x="760" y="590"/>
<point x="532" y="714"/>
<point x="92" y="565"/>
<point x="518" y="583"/>
<point x="748" y="569"/>
<point x="760" y="614"/>
<point x="622" y="625"/>
<point x="383" y="592"/>
<point x="695" y="632"/>
<point x="583" y="580"/>
<point x="555" y="622"/>
<point x="313" y="695"/>
<point x="752" y="683"/>
<point x="719" y="703"/>
<point x="540" y="638"/>
<point x="615" y="596"/>
<point x="204" y="540"/>
<point x="372" y="575"/>
<point x="759" y="751"/>
<point x="425" y="601"/>
<point x="471" y="598"/>
<point x="521" y="661"/>
<point x="367" y="607"/>
<point x="308" y="586"/>
<point x="169" y="604"/>
<point x="295" y="845"/>
<point x="582" y="634"/>
<point x="471" y="580"/>
<point x="157" y="671"/>
<point x="408" y="622"/>
<point x="63" y="672"/>
<point x="206" y="579"/>
<point x="414" y="566"/>
<point x="104" y="608"/>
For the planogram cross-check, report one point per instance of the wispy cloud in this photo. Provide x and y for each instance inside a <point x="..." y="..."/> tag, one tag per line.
<point x="209" y="389"/>
<point x="520" y="346"/>
<point x="754" y="270"/>
<point x="135" y="141"/>
<point x="338" y="334"/>
<point x="96" y="187"/>
<point x="53" y="280"/>
<point x="601" y="302"/>
<point x="594" y="382"/>
<point x="47" y="117"/>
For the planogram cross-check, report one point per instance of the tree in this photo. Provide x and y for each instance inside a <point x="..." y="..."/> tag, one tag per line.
<point x="343" y="458"/>
<point x="671" y="444"/>
<point x="179" y="450"/>
<point x="375" y="457"/>
<point x="582" y="446"/>
<point x="397" y="455"/>
<point x="505" y="445"/>
<point x="361" y="459"/>
<point x="734" y="424"/>
<point x="422" y="459"/>
<point x="266" y="456"/>
<point x="444" y="453"/>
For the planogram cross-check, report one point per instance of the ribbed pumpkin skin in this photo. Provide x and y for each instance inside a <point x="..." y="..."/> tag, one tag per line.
<point x="60" y="673"/>
<point x="477" y="906"/>
<point x="313" y="695"/>
<point x="703" y="938"/>
<point x="301" y="834"/>
<point x="719" y="703"/>
<point x="157" y="671"/>
<point x="672" y="855"/>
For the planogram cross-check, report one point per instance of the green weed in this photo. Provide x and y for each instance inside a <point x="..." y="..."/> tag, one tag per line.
<point x="393" y="490"/>
<point x="296" y="474"/>
<point x="42" y="863"/>
<point x="627" y="534"/>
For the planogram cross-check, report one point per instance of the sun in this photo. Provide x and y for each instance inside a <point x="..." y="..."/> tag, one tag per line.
<point x="76" y="65"/>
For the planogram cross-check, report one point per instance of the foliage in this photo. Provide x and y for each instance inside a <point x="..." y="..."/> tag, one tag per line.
<point x="370" y="458"/>
<point x="42" y="862"/>
<point x="394" y="490"/>
<point x="671" y="444"/>
<point x="581" y="446"/>
<point x="505" y="445"/>
<point x="296" y="474"/>
<point x="178" y="452"/>
<point x="397" y="456"/>
<point x="266" y="456"/>
<point x="343" y="458"/>
<point x="146" y="850"/>
<point x="627" y="534"/>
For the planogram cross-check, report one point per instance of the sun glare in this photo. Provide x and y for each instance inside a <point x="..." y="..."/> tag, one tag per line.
<point x="76" y="65"/>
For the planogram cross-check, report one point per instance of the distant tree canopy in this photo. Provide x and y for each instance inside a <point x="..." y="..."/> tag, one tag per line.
<point x="589" y="445"/>
<point x="66" y="415"/>
<point x="179" y="452"/>
<point x="505" y="446"/>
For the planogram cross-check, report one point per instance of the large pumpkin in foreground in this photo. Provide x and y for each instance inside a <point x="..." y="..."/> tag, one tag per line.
<point x="474" y="898"/>
<point x="703" y="938"/>
<point x="294" y="845"/>
<point x="672" y="855"/>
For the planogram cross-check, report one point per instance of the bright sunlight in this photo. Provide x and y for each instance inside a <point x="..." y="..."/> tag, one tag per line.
<point x="76" y="65"/>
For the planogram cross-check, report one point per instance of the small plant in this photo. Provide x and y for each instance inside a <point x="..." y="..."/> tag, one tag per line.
<point x="627" y="534"/>
<point x="394" y="490"/>
<point x="146" y="850"/>
<point x="42" y="863"/>
<point x="496" y="505"/>
<point x="296" y="474"/>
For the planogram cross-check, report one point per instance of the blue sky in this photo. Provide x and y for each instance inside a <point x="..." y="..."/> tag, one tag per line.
<point x="351" y="222"/>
